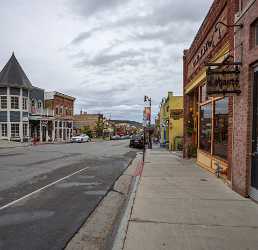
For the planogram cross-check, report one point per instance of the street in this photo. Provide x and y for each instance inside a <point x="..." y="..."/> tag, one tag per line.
<point x="48" y="191"/>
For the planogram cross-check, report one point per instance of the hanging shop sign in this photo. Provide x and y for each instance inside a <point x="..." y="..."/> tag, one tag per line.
<point x="176" y="114"/>
<point x="223" y="81"/>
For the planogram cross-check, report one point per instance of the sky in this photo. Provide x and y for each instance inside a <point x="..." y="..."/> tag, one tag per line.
<point x="108" y="54"/>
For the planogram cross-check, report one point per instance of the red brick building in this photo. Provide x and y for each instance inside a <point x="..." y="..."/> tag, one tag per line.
<point x="214" y="43"/>
<point x="63" y="108"/>
<point x="245" y="149"/>
<point x="221" y="130"/>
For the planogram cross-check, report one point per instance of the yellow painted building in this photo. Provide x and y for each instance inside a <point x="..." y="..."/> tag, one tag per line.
<point x="171" y="121"/>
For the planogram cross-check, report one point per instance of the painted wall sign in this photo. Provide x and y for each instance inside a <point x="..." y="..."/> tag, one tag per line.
<point x="210" y="42"/>
<point x="223" y="81"/>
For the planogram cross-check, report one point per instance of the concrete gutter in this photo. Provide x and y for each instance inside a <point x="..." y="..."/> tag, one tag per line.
<point x="100" y="229"/>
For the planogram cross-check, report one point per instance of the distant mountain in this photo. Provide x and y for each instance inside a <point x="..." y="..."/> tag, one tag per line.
<point x="133" y="123"/>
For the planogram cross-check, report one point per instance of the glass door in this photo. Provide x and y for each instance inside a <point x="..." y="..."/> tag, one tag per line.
<point x="254" y="171"/>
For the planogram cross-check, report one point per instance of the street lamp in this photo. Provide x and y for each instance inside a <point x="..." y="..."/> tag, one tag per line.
<point x="148" y="99"/>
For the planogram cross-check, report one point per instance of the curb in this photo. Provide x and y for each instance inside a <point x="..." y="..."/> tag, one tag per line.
<point x="123" y="227"/>
<point x="100" y="229"/>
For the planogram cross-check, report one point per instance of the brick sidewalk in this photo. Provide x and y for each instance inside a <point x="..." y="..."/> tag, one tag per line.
<point x="181" y="206"/>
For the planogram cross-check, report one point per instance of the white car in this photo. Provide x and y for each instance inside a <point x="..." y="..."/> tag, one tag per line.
<point x="81" y="138"/>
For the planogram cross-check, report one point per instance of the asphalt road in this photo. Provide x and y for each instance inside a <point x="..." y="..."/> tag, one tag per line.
<point x="47" y="192"/>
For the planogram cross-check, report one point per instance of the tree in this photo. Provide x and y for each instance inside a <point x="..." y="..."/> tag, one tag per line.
<point x="86" y="130"/>
<point x="99" y="128"/>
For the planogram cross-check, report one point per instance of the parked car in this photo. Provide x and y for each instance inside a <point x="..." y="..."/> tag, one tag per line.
<point x="81" y="138"/>
<point x="115" y="137"/>
<point x="136" y="141"/>
<point x="126" y="137"/>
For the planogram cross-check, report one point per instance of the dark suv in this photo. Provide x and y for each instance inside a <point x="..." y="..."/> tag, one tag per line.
<point x="136" y="141"/>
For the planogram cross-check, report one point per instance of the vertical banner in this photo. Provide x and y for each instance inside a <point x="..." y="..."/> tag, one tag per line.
<point x="147" y="111"/>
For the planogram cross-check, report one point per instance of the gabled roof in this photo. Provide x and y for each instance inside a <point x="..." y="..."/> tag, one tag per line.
<point x="12" y="75"/>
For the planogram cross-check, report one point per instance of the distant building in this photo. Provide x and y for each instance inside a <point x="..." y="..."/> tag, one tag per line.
<point x="171" y="121"/>
<point x="21" y="105"/>
<point x="95" y="122"/>
<point x="62" y="106"/>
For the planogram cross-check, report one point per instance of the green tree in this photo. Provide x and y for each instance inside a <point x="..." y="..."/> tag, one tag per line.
<point x="86" y="130"/>
<point x="99" y="128"/>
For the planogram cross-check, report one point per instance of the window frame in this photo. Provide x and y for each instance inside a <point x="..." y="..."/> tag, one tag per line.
<point x="25" y="130"/>
<point x="1" y="96"/>
<point x="225" y="157"/>
<point x="211" y="100"/>
<point x="39" y="105"/>
<point x="6" y="125"/>
<point x="25" y="103"/>
<point x="199" y="134"/>
<point x="18" y="103"/>
<point x="15" y="134"/>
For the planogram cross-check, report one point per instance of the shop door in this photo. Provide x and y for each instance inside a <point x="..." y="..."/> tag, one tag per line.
<point x="254" y="171"/>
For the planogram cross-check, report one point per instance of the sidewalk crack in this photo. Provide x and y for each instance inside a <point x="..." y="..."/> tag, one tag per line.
<point x="191" y="224"/>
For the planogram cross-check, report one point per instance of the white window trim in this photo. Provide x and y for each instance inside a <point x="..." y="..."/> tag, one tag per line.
<point x="25" y="123"/>
<point x="5" y="137"/>
<point x="11" y="129"/>
<point x="12" y="109"/>
<point x="6" y="103"/>
<point x="27" y="100"/>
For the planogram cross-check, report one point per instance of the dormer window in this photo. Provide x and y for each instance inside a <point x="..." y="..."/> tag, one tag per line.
<point x="39" y="105"/>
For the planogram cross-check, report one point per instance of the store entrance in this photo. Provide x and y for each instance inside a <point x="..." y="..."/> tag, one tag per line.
<point x="254" y="171"/>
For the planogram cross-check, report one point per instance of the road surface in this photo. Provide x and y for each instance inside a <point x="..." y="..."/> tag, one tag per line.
<point x="47" y="192"/>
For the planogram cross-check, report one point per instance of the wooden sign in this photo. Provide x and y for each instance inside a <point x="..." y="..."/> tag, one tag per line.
<point x="176" y="114"/>
<point x="223" y="81"/>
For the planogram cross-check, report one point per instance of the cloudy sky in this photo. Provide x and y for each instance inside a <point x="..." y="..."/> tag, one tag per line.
<point x="106" y="53"/>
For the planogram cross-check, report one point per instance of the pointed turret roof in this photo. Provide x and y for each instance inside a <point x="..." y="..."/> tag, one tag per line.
<point x="13" y="75"/>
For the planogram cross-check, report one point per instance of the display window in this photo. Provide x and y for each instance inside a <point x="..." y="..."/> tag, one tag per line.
<point x="221" y="128"/>
<point x="205" y="127"/>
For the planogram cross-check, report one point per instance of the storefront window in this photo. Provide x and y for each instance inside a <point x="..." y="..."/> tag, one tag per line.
<point x="205" y="127"/>
<point x="221" y="128"/>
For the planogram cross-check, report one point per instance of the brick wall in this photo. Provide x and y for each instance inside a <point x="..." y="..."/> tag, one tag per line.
<point x="206" y="28"/>
<point x="243" y="103"/>
<point x="90" y="120"/>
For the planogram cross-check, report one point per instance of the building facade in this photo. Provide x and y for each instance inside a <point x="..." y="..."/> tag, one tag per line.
<point x="208" y="121"/>
<point x="62" y="107"/>
<point x="171" y="122"/>
<point x="94" y="122"/>
<point x="41" y="119"/>
<point x="245" y="141"/>
<point x="14" y="102"/>
<point x="223" y="127"/>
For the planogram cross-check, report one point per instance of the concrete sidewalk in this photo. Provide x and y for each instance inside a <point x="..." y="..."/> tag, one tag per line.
<point x="180" y="206"/>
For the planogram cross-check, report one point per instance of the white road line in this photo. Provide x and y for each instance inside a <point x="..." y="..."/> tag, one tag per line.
<point x="39" y="190"/>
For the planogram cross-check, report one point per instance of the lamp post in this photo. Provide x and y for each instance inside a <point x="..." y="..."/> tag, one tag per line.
<point x="148" y="117"/>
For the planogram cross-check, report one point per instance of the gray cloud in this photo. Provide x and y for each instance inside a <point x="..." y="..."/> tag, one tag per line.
<point x="104" y="59"/>
<point x="107" y="53"/>
<point x="87" y="8"/>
